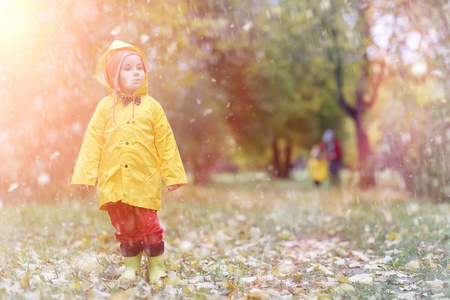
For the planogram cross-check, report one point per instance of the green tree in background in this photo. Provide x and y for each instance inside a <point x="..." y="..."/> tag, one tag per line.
<point x="276" y="83"/>
<point x="357" y="74"/>
<point x="295" y="86"/>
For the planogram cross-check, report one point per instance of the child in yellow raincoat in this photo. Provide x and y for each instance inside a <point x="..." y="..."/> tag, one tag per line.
<point x="317" y="166"/>
<point x="128" y="145"/>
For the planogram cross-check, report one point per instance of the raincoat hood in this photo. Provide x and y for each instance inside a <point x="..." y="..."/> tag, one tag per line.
<point x="328" y="136"/>
<point x="101" y="70"/>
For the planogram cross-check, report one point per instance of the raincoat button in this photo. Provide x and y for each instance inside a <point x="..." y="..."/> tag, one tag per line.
<point x="126" y="143"/>
<point x="126" y="166"/>
<point x="128" y="122"/>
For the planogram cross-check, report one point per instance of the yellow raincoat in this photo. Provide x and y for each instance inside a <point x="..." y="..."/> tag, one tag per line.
<point x="317" y="167"/>
<point x="128" y="157"/>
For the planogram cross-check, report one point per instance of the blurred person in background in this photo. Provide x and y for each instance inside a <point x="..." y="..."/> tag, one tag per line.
<point x="317" y="166"/>
<point x="331" y="146"/>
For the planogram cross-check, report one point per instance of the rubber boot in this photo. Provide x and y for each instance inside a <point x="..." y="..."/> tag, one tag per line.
<point x="133" y="265"/>
<point x="155" y="268"/>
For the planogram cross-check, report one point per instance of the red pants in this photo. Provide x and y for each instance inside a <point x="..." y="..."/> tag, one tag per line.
<point x="137" y="229"/>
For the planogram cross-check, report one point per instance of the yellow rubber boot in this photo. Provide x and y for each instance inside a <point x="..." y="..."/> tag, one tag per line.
<point x="133" y="265"/>
<point x="155" y="268"/>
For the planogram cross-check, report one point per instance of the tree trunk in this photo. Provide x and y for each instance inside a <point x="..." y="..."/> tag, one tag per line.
<point x="365" y="164"/>
<point x="287" y="161"/>
<point x="276" y="158"/>
<point x="200" y="172"/>
<point x="281" y="168"/>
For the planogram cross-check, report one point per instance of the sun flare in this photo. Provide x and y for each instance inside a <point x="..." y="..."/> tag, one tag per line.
<point x="16" y="23"/>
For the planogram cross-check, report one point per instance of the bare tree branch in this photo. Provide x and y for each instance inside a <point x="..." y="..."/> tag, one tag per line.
<point x="338" y="76"/>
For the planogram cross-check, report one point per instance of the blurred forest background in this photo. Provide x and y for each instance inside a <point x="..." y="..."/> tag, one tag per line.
<point x="247" y="85"/>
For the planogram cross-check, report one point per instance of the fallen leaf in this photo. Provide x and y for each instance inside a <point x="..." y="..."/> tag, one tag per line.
<point x="362" y="278"/>
<point x="435" y="285"/>
<point x="229" y="285"/>
<point x="75" y="285"/>
<point x="25" y="281"/>
<point x="111" y="271"/>
<point x="326" y="284"/>
<point x="285" y="268"/>
<point x="343" y="288"/>
<point x="119" y="296"/>
<point x="360" y="256"/>
<point x="393" y="236"/>
<point x="256" y="294"/>
<point x="172" y="279"/>
<point x="96" y="293"/>
<point x="320" y="268"/>
<point x="293" y="290"/>
<point x="413" y="265"/>
<point x="341" y="278"/>
<point x="89" y="266"/>
<point x="407" y="296"/>
<point x="387" y="260"/>
<point x="247" y="279"/>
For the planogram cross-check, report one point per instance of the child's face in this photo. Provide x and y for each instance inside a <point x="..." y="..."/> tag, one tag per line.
<point x="132" y="74"/>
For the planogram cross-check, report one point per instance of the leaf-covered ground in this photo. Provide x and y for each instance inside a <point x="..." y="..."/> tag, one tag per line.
<point x="254" y="240"/>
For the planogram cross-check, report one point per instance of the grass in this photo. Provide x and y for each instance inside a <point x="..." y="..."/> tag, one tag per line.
<point x="239" y="237"/>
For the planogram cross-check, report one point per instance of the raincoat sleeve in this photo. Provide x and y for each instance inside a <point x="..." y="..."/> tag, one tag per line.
<point x="86" y="167"/>
<point x="170" y="163"/>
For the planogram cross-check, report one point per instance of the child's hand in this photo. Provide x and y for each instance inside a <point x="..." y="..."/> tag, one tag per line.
<point x="85" y="187"/>
<point x="172" y="188"/>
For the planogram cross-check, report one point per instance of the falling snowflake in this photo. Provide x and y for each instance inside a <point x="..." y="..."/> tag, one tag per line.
<point x="207" y="111"/>
<point x="116" y="30"/>
<point x="54" y="155"/>
<point x="144" y="38"/>
<point x="43" y="179"/>
<point x="13" y="186"/>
